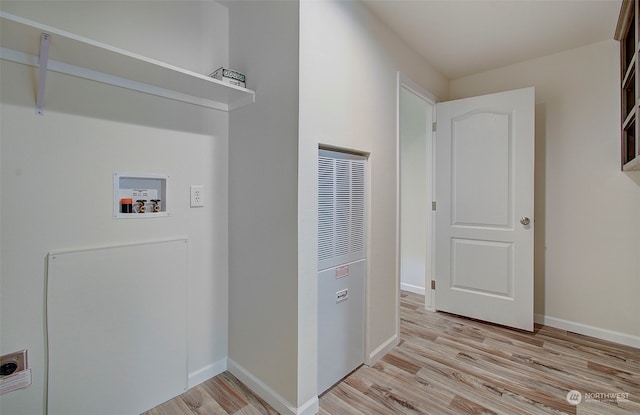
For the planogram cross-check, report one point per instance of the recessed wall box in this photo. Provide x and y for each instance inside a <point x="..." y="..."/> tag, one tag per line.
<point x="139" y="195"/>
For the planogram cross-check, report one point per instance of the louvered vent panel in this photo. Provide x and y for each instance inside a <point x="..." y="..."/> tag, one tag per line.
<point x="326" y="211"/>
<point x="357" y="207"/>
<point x="341" y="209"/>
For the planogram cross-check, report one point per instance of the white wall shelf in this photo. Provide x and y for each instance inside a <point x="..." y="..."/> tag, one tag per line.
<point x="85" y="58"/>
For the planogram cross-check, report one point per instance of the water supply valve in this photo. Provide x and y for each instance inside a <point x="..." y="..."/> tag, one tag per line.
<point x="141" y="205"/>
<point x="155" y="205"/>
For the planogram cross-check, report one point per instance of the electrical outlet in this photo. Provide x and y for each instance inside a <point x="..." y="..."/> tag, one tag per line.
<point x="197" y="196"/>
<point x="14" y="372"/>
<point x="13" y="362"/>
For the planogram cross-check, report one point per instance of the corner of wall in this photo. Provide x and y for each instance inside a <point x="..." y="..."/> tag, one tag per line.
<point x="207" y="372"/>
<point x="278" y="402"/>
<point x="381" y="350"/>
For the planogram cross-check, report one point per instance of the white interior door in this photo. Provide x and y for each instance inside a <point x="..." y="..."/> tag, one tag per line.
<point x="484" y="214"/>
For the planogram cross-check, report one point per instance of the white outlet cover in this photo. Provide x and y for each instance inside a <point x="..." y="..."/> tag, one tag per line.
<point x="15" y="381"/>
<point x="197" y="196"/>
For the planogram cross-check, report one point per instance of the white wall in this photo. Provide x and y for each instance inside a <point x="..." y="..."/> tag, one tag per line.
<point x="587" y="267"/>
<point x="263" y="161"/>
<point x="178" y="32"/>
<point x="348" y="89"/>
<point x="347" y="97"/>
<point x="415" y="186"/>
<point x="57" y="174"/>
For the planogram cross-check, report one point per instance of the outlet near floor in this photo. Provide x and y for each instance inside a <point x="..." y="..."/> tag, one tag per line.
<point x="13" y="362"/>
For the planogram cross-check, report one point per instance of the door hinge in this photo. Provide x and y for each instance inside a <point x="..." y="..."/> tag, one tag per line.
<point x="434" y="126"/>
<point x="433" y="205"/>
<point x="433" y="284"/>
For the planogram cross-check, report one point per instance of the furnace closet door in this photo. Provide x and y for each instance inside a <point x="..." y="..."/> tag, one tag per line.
<point x="341" y="265"/>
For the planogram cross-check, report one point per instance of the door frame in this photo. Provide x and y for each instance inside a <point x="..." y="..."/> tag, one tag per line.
<point x="405" y="82"/>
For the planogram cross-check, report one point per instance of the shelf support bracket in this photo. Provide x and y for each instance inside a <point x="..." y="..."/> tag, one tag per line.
<point x="43" y="60"/>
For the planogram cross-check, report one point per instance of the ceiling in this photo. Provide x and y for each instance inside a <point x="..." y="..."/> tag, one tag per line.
<point x="464" y="37"/>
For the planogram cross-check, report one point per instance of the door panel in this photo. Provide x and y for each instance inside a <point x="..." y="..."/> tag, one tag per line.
<point x="484" y="185"/>
<point x="482" y="266"/>
<point x="481" y="191"/>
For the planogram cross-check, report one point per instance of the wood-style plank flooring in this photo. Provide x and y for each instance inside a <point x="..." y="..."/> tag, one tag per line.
<point x="446" y="364"/>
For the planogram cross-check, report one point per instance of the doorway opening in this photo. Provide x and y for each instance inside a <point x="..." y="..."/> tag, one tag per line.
<point x="416" y="114"/>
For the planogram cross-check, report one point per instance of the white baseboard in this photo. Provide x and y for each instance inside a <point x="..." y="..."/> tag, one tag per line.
<point x="412" y="288"/>
<point x="274" y="399"/>
<point x="311" y="407"/>
<point x="381" y="350"/>
<point x="207" y="372"/>
<point x="604" y="334"/>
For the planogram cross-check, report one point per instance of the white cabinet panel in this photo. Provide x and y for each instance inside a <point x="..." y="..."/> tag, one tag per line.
<point x="117" y="328"/>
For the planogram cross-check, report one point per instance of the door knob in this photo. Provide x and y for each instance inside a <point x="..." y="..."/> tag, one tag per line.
<point x="525" y="221"/>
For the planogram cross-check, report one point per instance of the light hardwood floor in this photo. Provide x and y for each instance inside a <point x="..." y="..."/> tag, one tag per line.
<point x="446" y="364"/>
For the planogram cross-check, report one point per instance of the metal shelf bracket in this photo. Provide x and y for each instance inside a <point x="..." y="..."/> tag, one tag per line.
<point x="42" y="73"/>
